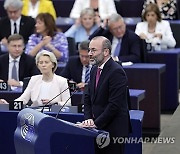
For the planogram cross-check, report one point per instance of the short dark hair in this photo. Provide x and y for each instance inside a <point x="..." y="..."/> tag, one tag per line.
<point x="15" y="37"/>
<point x="84" y="45"/>
<point x="152" y="7"/>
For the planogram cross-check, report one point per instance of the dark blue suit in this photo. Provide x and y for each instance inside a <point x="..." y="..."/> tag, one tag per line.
<point x="73" y="69"/>
<point x="130" y="46"/>
<point x="27" y="67"/>
<point x="107" y="104"/>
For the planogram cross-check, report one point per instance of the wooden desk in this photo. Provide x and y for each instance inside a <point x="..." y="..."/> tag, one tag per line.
<point x="148" y="77"/>
<point x="171" y="57"/>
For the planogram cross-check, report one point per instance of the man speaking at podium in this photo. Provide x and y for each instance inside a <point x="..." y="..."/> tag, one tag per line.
<point x="105" y="100"/>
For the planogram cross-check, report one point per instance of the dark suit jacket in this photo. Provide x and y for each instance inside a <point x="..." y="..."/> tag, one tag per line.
<point x="73" y="69"/>
<point x="107" y="105"/>
<point x="27" y="67"/>
<point x="130" y="45"/>
<point x="26" y="27"/>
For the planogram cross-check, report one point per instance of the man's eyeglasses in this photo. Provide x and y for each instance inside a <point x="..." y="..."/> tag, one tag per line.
<point x="93" y="50"/>
<point x="118" y="28"/>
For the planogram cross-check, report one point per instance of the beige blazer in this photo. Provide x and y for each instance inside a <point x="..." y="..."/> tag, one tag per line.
<point x="33" y="90"/>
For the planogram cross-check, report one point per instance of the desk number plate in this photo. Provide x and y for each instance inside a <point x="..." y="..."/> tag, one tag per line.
<point x="18" y="105"/>
<point x="3" y="86"/>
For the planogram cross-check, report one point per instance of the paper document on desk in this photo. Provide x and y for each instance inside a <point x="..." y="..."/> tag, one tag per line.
<point x="127" y="63"/>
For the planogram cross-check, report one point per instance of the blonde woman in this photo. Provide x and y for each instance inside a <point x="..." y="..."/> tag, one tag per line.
<point x="87" y="26"/>
<point x="42" y="88"/>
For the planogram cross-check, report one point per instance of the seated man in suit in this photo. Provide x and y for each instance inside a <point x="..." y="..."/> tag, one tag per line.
<point x="125" y="43"/>
<point x="16" y="65"/>
<point x="15" y="22"/>
<point x="78" y="68"/>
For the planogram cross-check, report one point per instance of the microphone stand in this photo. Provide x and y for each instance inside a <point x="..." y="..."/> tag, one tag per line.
<point x="43" y="106"/>
<point x="66" y="102"/>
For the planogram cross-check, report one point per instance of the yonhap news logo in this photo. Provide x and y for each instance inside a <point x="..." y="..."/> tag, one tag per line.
<point x="103" y="140"/>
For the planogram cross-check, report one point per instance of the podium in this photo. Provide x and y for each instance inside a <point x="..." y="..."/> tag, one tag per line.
<point x="37" y="133"/>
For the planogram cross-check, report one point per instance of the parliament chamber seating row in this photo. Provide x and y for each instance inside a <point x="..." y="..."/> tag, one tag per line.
<point x="127" y="8"/>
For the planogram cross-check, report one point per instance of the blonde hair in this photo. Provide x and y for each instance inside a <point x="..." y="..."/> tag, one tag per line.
<point x="87" y="11"/>
<point x="52" y="57"/>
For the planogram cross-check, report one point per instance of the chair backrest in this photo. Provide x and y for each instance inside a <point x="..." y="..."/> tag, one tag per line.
<point x="71" y="46"/>
<point x="143" y="51"/>
<point x="25" y="82"/>
<point x="129" y="8"/>
<point x="175" y="26"/>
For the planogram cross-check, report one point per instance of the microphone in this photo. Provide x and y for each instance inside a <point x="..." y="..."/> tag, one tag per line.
<point x="75" y="90"/>
<point x="47" y="104"/>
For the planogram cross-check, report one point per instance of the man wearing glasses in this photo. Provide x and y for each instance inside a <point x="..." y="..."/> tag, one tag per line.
<point x="105" y="98"/>
<point x="78" y="68"/>
<point x="15" y="23"/>
<point x="125" y="43"/>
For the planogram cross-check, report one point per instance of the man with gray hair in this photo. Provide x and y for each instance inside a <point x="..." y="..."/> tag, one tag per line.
<point x="15" y="22"/>
<point x="125" y="43"/>
<point x="105" y="98"/>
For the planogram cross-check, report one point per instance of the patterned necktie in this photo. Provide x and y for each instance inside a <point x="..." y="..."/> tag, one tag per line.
<point x="14" y="71"/>
<point x="117" y="49"/>
<point x="87" y="74"/>
<point x="98" y="73"/>
<point x="15" y="28"/>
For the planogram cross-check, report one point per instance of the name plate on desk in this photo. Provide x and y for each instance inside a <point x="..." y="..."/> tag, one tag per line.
<point x="16" y="105"/>
<point x="3" y="86"/>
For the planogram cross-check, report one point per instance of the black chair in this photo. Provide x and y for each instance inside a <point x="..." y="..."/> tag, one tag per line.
<point x="143" y="52"/>
<point x="71" y="46"/>
<point x="25" y="82"/>
<point x="129" y="8"/>
<point x="175" y="27"/>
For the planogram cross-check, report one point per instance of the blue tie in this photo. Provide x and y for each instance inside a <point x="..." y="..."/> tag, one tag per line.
<point x="117" y="49"/>
<point x="87" y="74"/>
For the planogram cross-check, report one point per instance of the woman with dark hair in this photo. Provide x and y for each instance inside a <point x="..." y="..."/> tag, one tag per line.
<point x="47" y="37"/>
<point x="154" y="30"/>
